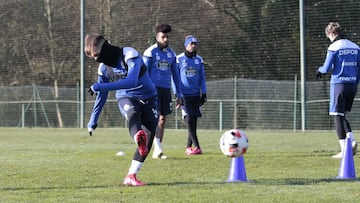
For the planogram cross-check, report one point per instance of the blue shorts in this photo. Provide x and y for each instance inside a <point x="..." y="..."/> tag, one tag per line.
<point x="164" y="101"/>
<point x="342" y="98"/>
<point x="191" y="107"/>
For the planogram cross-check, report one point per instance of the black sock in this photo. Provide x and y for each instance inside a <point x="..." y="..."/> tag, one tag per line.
<point x="339" y="125"/>
<point x="189" y="140"/>
<point x="192" y="131"/>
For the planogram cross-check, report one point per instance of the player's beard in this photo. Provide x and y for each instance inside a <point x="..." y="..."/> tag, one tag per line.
<point x="163" y="45"/>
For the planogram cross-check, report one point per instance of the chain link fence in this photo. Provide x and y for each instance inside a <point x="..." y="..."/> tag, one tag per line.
<point x="239" y="103"/>
<point x="250" y="49"/>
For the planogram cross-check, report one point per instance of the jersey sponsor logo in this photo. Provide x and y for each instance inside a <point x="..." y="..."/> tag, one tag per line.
<point x="349" y="64"/>
<point x="163" y="65"/>
<point x="347" y="78"/>
<point x="118" y="74"/>
<point x="190" y="72"/>
<point x="348" y="51"/>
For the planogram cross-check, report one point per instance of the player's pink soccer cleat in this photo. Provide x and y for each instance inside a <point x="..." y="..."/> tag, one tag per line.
<point x="131" y="180"/>
<point x="196" y="151"/>
<point x="188" y="151"/>
<point x="140" y="139"/>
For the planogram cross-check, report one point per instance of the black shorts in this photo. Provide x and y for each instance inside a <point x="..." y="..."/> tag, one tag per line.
<point x="164" y="101"/>
<point x="146" y="109"/>
<point x="191" y="107"/>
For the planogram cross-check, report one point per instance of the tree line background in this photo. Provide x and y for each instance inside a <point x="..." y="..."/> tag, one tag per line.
<point x="255" y="39"/>
<point x="251" y="50"/>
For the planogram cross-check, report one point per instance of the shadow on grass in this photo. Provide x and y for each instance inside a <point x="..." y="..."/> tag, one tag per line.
<point x="300" y="181"/>
<point x="57" y="188"/>
<point x="286" y="181"/>
<point x="323" y="153"/>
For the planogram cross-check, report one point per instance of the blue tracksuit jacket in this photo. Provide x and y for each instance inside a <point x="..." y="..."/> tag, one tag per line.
<point x="161" y="65"/>
<point x="192" y="75"/>
<point x="128" y="82"/>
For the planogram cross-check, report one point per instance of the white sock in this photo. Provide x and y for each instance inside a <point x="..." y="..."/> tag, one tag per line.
<point x="157" y="145"/>
<point x="351" y="135"/>
<point x="342" y="144"/>
<point x="135" y="167"/>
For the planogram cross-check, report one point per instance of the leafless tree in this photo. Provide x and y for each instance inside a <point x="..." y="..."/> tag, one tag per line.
<point x="55" y="71"/>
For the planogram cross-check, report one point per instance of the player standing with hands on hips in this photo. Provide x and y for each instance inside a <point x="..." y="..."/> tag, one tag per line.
<point x="122" y="70"/>
<point x="160" y="61"/>
<point x="193" y="87"/>
<point x="343" y="61"/>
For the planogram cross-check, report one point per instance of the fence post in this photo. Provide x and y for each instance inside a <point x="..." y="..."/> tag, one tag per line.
<point x="176" y="119"/>
<point x="220" y="116"/>
<point x="23" y="115"/>
<point x="235" y="104"/>
<point x="295" y="101"/>
<point x="34" y="106"/>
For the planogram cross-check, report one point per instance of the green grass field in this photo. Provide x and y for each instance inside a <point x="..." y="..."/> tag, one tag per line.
<point x="66" y="165"/>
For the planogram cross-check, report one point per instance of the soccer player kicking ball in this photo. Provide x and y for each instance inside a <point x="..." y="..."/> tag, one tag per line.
<point x="343" y="61"/>
<point x="122" y="70"/>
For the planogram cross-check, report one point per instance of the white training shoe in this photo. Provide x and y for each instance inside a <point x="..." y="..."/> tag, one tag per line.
<point x="337" y="156"/>
<point x="354" y="147"/>
<point x="159" y="155"/>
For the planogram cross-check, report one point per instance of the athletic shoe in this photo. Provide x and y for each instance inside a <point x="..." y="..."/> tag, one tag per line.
<point x="160" y="155"/>
<point x="354" y="147"/>
<point x="337" y="156"/>
<point x="196" y="151"/>
<point x="140" y="139"/>
<point x="131" y="180"/>
<point x="188" y="150"/>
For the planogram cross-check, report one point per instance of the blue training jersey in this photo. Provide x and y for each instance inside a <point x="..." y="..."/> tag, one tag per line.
<point x="343" y="60"/>
<point x="128" y="82"/>
<point x="192" y="75"/>
<point x="161" y="65"/>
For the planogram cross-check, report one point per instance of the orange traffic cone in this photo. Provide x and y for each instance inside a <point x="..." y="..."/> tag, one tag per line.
<point x="347" y="166"/>
<point x="237" y="170"/>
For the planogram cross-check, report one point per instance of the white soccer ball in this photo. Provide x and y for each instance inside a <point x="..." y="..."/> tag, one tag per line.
<point x="234" y="143"/>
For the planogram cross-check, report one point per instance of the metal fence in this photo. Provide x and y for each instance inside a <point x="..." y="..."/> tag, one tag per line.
<point x="239" y="103"/>
<point x="257" y="41"/>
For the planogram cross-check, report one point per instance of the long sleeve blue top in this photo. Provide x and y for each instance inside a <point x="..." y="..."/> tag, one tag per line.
<point x="161" y="65"/>
<point x="343" y="60"/>
<point x="128" y="81"/>
<point x="192" y="75"/>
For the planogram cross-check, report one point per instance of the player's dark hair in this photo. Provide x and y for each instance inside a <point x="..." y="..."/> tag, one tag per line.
<point x="165" y="28"/>
<point x="335" y="28"/>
